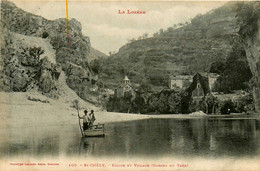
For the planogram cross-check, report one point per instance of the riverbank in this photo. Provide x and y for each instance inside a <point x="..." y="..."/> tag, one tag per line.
<point x="33" y="109"/>
<point x="106" y="117"/>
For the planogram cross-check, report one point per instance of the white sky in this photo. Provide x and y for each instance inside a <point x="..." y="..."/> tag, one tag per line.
<point x="107" y="29"/>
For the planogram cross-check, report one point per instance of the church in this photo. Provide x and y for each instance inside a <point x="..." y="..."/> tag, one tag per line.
<point x="123" y="88"/>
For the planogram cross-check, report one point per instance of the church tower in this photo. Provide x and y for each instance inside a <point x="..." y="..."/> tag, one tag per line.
<point x="126" y="80"/>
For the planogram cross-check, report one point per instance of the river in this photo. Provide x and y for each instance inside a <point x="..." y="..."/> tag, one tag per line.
<point x="204" y="137"/>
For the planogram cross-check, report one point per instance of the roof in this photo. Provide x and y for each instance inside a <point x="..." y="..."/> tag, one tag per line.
<point x="122" y="85"/>
<point x="181" y="77"/>
<point x="126" y="78"/>
<point x="209" y="74"/>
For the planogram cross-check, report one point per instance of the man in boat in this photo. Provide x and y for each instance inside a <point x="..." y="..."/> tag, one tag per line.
<point x="86" y="120"/>
<point x="91" y="119"/>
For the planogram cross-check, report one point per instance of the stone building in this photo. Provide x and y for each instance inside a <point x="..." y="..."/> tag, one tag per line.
<point x="184" y="81"/>
<point x="198" y="92"/>
<point x="212" y="77"/>
<point x="180" y="81"/>
<point x="123" y="88"/>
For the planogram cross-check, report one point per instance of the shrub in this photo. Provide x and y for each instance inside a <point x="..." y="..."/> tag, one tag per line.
<point x="227" y="107"/>
<point x="45" y="34"/>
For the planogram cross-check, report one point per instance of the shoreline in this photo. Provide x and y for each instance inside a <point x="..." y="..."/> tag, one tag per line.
<point x="16" y="108"/>
<point x="110" y="117"/>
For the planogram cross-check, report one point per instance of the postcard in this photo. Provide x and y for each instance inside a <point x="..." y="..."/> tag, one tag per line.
<point x="129" y="85"/>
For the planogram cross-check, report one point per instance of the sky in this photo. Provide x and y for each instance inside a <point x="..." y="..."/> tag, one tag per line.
<point x="107" y="29"/>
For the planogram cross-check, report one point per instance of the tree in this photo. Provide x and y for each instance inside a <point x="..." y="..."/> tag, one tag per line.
<point x="161" y="31"/>
<point x="95" y="66"/>
<point x="170" y="29"/>
<point x="236" y="73"/>
<point x="181" y="24"/>
<point x="145" y="35"/>
<point x="217" y="67"/>
<point x="156" y="34"/>
<point x="131" y="40"/>
<point x="145" y="88"/>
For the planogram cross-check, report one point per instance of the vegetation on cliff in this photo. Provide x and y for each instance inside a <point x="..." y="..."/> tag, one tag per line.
<point x="248" y="15"/>
<point x="234" y="72"/>
<point x="73" y="58"/>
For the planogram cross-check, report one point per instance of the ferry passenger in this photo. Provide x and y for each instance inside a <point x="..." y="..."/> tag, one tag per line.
<point x="86" y="120"/>
<point x="91" y="119"/>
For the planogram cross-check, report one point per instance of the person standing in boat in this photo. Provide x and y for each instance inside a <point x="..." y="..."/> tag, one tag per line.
<point x="91" y="119"/>
<point x="86" y="120"/>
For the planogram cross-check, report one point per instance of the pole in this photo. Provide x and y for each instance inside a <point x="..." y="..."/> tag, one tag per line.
<point x="77" y="107"/>
<point x="67" y="19"/>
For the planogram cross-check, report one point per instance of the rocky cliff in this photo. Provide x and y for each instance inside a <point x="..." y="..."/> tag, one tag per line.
<point x="27" y="63"/>
<point x="34" y="50"/>
<point x="249" y="20"/>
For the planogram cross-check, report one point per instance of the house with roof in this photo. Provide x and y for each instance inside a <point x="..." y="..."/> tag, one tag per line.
<point x="212" y="78"/>
<point x="183" y="81"/>
<point x="123" y="88"/>
<point x="180" y="81"/>
<point x="198" y="90"/>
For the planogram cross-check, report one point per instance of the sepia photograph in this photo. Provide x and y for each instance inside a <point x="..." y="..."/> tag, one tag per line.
<point x="129" y="85"/>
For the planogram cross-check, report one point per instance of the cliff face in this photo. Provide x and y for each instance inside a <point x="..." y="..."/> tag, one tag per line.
<point x="25" y="27"/>
<point x="249" y="22"/>
<point x="26" y="63"/>
<point x="252" y="48"/>
<point x="188" y="49"/>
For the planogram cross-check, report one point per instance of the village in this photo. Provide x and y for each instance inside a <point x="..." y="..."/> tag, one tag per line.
<point x="198" y="90"/>
<point x="175" y="82"/>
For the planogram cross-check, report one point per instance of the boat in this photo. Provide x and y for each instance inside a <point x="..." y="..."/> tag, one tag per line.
<point x="95" y="131"/>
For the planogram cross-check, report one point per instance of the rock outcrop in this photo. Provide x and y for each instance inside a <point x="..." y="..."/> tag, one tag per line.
<point x="49" y="74"/>
<point x="249" y="17"/>
<point x="23" y="66"/>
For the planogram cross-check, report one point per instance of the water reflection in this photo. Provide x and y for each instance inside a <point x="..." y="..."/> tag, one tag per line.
<point x="153" y="138"/>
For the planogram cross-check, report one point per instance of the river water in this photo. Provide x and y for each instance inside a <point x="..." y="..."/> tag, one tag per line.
<point x="204" y="137"/>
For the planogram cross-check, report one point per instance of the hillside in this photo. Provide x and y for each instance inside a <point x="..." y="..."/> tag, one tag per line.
<point x="35" y="53"/>
<point x="95" y="54"/>
<point x="188" y="49"/>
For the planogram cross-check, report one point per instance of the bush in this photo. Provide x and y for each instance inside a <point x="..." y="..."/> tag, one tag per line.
<point x="95" y="65"/>
<point x="45" y="34"/>
<point x="135" y="56"/>
<point x="227" y="107"/>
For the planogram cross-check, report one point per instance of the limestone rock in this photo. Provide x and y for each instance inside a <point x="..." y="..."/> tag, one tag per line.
<point x="49" y="74"/>
<point x="71" y="52"/>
